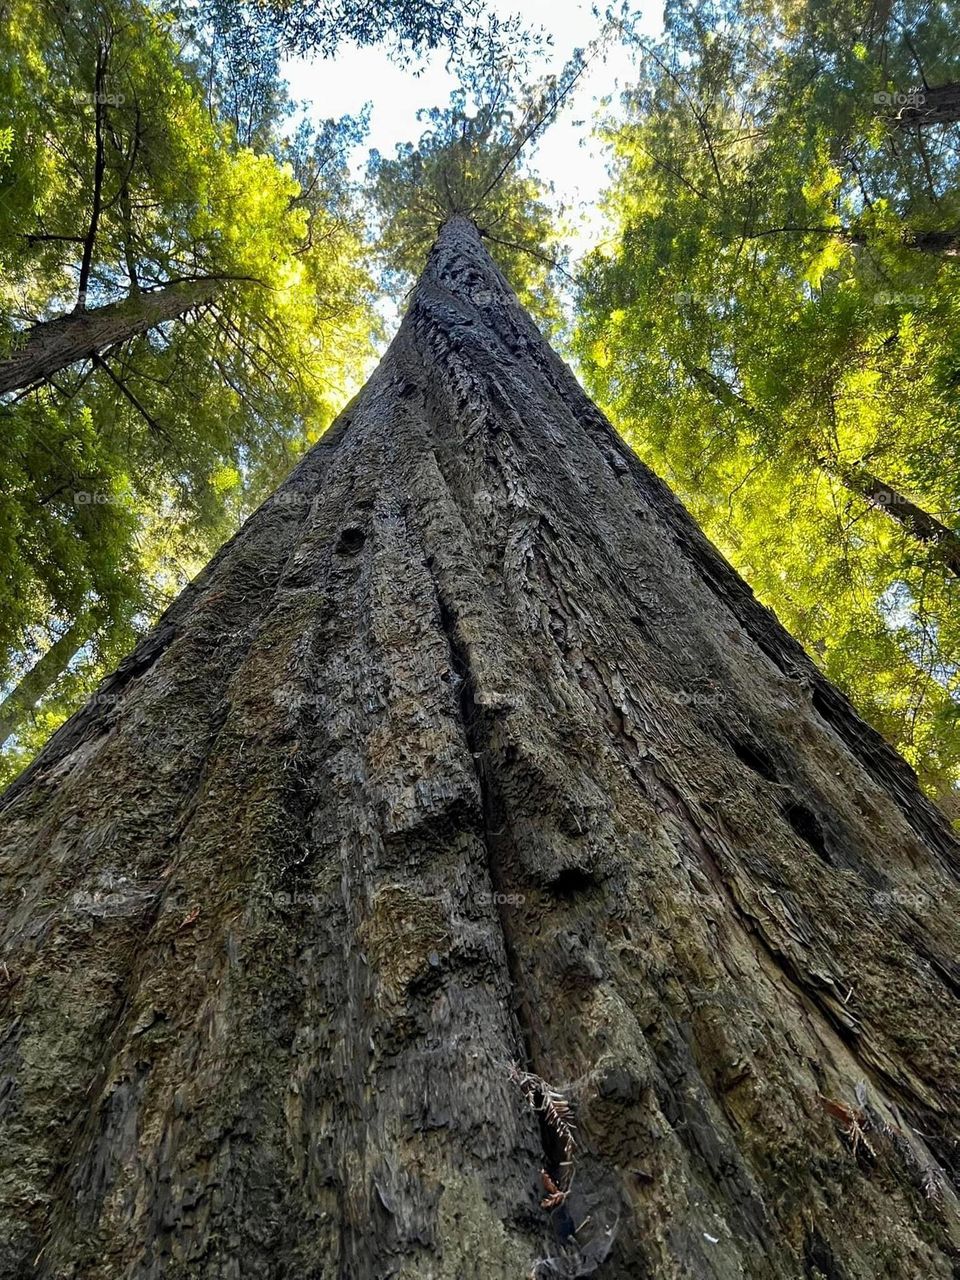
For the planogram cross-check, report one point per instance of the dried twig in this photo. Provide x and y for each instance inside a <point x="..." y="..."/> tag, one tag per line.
<point x="558" y="1114"/>
<point x="554" y="1197"/>
<point x="853" y="1122"/>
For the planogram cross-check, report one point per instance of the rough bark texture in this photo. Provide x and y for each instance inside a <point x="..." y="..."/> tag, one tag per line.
<point x="469" y="749"/>
<point x="49" y="347"/>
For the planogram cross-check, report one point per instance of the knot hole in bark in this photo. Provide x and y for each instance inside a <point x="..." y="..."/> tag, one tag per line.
<point x="752" y="755"/>
<point x="351" y="540"/>
<point x="571" y="881"/>
<point x="807" y="826"/>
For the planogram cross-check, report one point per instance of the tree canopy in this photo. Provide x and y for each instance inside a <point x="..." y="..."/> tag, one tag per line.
<point x="471" y="161"/>
<point x="773" y="321"/>
<point x="193" y="268"/>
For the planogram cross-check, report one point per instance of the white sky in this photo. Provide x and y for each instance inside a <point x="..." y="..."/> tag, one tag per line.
<point x="567" y="156"/>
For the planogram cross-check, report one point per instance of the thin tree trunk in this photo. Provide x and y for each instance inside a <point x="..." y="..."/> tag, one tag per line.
<point x="943" y="244"/>
<point x="470" y="750"/>
<point x="45" y="672"/>
<point x="99" y="168"/>
<point x="126" y="163"/>
<point x="129" y="257"/>
<point x="53" y="345"/>
<point x="941" y="540"/>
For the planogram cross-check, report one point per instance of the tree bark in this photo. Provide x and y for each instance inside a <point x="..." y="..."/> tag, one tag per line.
<point x="470" y="750"/>
<point x="944" y="244"/>
<point x="41" y="677"/>
<point x="927" y="106"/>
<point x="53" y="345"/>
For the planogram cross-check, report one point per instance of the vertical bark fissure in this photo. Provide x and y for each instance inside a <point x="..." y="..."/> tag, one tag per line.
<point x="495" y="834"/>
<point x="491" y="810"/>
<point x="554" y="1163"/>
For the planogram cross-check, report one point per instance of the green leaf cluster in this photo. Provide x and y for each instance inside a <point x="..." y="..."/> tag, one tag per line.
<point x="775" y="323"/>
<point x="123" y="473"/>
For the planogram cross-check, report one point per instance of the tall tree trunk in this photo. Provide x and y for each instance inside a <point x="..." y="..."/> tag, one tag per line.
<point x="41" y="677"/>
<point x="469" y="750"/>
<point x="53" y="345"/>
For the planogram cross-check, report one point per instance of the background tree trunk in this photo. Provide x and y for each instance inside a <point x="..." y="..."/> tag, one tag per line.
<point x="927" y="529"/>
<point x="53" y="345"/>
<point x="41" y="677"/>
<point x="937" y="537"/>
<point x="469" y="749"/>
<point x="939" y="104"/>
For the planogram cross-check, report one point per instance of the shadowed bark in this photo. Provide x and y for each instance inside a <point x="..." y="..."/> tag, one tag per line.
<point x="470" y="750"/>
<point x="939" y="104"/>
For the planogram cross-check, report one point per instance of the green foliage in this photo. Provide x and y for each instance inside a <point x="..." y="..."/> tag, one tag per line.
<point x="116" y="179"/>
<point x="469" y="161"/>
<point x="411" y="27"/>
<point x="769" y="322"/>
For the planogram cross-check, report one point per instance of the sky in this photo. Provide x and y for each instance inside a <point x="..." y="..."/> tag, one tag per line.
<point x="567" y="155"/>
